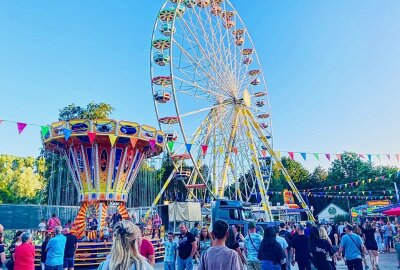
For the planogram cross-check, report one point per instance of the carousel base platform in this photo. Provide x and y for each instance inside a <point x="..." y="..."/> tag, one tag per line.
<point x="91" y="254"/>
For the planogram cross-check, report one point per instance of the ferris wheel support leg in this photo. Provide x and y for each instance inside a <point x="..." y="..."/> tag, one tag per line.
<point x="254" y="157"/>
<point x="280" y="165"/>
<point x="228" y="153"/>
<point x="164" y="187"/>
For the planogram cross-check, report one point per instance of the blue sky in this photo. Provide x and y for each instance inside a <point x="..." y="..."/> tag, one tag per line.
<point x="332" y="68"/>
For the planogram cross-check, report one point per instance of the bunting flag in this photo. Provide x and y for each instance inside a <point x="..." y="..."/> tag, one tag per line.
<point x="152" y="143"/>
<point x="304" y="155"/>
<point x="328" y="156"/>
<point x="361" y="155"/>
<point x="21" y="127"/>
<point x="188" y="147"/>
<point x="67" y="133"/>
<point x="44" y="130"/>
<point x="133" y="142"/>
<point x="379" y="157"/>
<point x="264" y="153"/>
<point x="291" y="154"/>
<point x="398" y="157"/>
<point x="170" y="146"/>
<point x="388" y="156"/>
<point x="204" y="149"/>
<point x="91" y="136"/>
<point x="316" y="156"/>
<point x="113" y="139"/>
<point x="1" y="121"/>
<point x="221" y="150"/>
<point x="369" y="157"/>
<point x="235" y="150"/>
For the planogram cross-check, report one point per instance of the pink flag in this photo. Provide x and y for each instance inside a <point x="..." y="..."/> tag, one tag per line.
<point x="339" y="156"/>
<point x="235" y="150"/>
<point x="397" y="155"/>
<point x="291" y="154"/>
<point x="361" y="155"/>
<point x="1" y="121"/>
<point x="328" y="156"/>
<point x="204" y="149"/>
<point x="21" y="127"/>
<point x="152" y="144"/>
<point x="264" y="153"/>
<point x="91" y="136"/>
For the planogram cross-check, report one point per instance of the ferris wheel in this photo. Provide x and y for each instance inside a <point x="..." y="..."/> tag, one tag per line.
<point x="211" y="100"/>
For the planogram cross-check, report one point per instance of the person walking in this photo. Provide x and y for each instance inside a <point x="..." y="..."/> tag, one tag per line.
<point x="371" y="245"/>
<point x="157" y="222"/>
<point x="287" y="236"/>
<point x="353" y="249"/>
<point x="170" y="252"/>
<point x="324" y="235"/>
<point x="271" y="253"/>
<point x="300" y="250"/>
<point x="146" y="248"/>
<point x="234" y="245"/>
<point x="219" y="257"/>
<point x="252" y="244"/>
<point x="378" y="237"/>
<point x="321" y="249"/>
<point x="24" y="257"/>
<point x="205" y="241"/>
<point x="55" y="250"/>
<point x="125" y="249"/>
<point x="71" y="245"/>
<point x="186" y="249"/>
<point x="388" y="232"/>
<point x="11" y="249"/>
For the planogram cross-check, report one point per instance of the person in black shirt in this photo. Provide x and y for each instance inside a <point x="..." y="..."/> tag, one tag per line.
<point x="43" y="254"/>
<point x="186" y="249"/>
<point x="320" y="248"/>
<point x="234" y="245"/>
<point x="300" y="249"/>
<point x="70" y="247"/>
<point x="271" y="253"/>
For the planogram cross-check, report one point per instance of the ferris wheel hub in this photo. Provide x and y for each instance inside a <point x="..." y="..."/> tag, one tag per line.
<point x="246" y="98"/>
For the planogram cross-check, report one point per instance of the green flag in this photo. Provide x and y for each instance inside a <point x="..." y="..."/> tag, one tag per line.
<point x="45" y="130"/>
<point x="170" y="145"/>
<point x="316" y="156"/>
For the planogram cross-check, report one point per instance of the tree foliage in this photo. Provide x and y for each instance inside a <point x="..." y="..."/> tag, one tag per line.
<point x="92" y="111"/>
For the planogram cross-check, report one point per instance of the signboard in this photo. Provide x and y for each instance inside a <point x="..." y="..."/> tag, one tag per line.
<point x="378" y="203"/>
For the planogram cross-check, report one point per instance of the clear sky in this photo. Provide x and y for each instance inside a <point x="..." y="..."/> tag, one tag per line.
<point x="332" y="67"/>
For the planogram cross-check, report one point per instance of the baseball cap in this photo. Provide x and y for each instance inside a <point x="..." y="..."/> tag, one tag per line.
<point x="252" y="225"/>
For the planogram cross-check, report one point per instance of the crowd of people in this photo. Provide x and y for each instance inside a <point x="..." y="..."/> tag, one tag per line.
<point x="313" y="246"/>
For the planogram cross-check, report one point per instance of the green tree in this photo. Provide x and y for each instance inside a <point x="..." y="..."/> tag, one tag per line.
<point x="92" y="111"/>
<point x="21" y="179"/>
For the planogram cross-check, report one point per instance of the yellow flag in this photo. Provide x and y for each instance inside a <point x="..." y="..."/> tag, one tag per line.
<point x="369" y="180"/>
<point x="113" y="139"/>
<point x="221" y="150"/>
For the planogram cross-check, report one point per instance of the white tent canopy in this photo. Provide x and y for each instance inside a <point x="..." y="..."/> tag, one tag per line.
<point x="184" y="211"/>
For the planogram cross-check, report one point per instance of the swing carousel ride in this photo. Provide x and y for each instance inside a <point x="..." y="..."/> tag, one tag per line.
<point x="104" y="157"/>
<point x="211" y="101"/>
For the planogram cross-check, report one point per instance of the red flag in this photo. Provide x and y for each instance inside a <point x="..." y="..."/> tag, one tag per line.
<point x="291" y="154"/>
<point x="361" y="155"/>
<point x="21" y="127"/>
<point x="91" y="136"/>
<point x="328" y="156"/>
<point x="264" y="153"/>
<point x="204" y="149"/>
<point x="235" y="150"/>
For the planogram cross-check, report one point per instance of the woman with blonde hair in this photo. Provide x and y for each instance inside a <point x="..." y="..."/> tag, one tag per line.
<point x="323" y="234"/>
<point x="125" y="250"/>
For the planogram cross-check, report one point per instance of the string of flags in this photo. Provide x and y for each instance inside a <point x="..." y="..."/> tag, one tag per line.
<point x="342" y="195"/>
<point x="170" y="144"/>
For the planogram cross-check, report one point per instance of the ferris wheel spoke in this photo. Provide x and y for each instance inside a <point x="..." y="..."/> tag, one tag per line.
<point x="204" y="109"/>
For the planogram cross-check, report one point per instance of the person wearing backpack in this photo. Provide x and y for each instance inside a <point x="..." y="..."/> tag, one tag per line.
<point x="353" y="249"/>
<point x="252" y="244"/>
<point x="288" y="237"/>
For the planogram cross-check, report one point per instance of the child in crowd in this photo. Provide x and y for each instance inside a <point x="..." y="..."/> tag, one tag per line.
<point x="170" y="252"/>
<point x="42" y="227"/>
<point x="397" y="248"/>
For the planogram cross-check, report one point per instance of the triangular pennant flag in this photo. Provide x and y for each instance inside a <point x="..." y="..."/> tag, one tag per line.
<point x="398" y="157"/>
<point x="91" y="136"/>
<point x="221" y="150"/>
<point x="369" y="180"/>
<point x="235" y="150"/>
<point x="369" y="157"/>
<point x="363" y="182"/>
<point x="264" y="153"/>
<point x="1" y="121"/>
<point x="188" y="147"/>
<point x="133" y="142"/>
<point x="379" y="157"/>
<point x="21" y="127"/>
<point x="291" y="154"/>
<point x="152" y="144"/>
<point x="388" y="156"/>
<point x="44" y="130"/>
<point x="113" y="139"/>
<point x="170" y="145"/>
<point x="328" y="156"/>
<point x="304" y="155"/>
<point x="204" y="149"/>
<point x="339" y="156"/>
<point x="316" y="156"/>
<point x="67" y="133"/>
